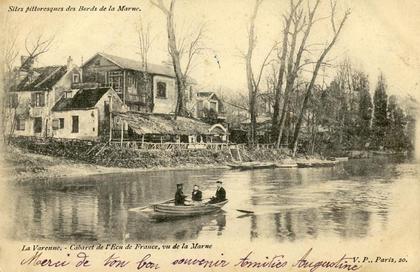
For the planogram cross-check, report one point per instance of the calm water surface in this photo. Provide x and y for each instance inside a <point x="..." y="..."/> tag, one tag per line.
<point x="352" y="200"/>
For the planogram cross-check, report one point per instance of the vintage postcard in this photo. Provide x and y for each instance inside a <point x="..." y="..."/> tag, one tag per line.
<point x="224" y="135"/>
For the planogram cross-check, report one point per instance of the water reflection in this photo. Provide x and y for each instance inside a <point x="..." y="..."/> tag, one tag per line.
<point x="349" y="201"/>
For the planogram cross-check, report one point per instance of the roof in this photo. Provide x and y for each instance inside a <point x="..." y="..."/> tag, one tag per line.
<point x="205" y="94"/>
<point x="83" y="99"/>
<point x="146" y="123"/>
<point x="208" y="95"/>
<point x="260" y="120"/>
<point x="41" y="78"/>
<point x="130" y="64"/>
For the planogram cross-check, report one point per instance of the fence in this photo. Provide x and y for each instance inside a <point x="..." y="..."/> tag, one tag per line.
<point x="169" y="146"/>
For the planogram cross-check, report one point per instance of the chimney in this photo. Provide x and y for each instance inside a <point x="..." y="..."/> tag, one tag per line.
<point x="26" y="62"/>
<point x="69" y="63"/>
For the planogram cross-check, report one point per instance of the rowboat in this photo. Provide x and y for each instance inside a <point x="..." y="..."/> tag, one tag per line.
<point x="316" y="163"/>
<point x="286" y="165"/>
<point x="168" y="210"/>
<point x="252" y="165"/>
<point x="304" y="164"/>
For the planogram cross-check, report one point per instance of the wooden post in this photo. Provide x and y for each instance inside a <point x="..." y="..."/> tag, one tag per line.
<point x="142" y="140"/>
<point x="110" y="118"/>
<point x="122" y="132"/>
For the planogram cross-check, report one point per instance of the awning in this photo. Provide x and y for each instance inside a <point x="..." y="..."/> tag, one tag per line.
<point x="144" y="123"/>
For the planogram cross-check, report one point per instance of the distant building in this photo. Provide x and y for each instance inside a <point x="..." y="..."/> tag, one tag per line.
<point x="152" y="90"/>
<point x="35" y="92"/>
<point x="208" y="106"/>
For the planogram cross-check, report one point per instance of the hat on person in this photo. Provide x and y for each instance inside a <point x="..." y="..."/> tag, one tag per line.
<point x="219" y="182"/>
<point x="179" y="184"/>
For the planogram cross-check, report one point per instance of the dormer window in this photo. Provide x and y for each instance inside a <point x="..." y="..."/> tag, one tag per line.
<point x="161" y="90"/>
<point x="76" y="78"/>
<point x="68" y="94"/>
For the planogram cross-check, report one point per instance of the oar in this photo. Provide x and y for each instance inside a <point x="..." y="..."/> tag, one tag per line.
<point x="244" y="211"/>
<point x="138" y="208"/>
<point x="151" y="204"/>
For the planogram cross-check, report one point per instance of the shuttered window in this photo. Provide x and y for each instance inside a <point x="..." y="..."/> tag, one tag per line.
<point x="58" y="123"/>
<point x="55" y="124"/>
<point x="38" y="99"/>
<point x="20" y="124"/>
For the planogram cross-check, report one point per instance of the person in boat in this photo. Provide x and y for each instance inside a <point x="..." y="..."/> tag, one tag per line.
<point x="197" y="195"/>
<point x="179" y="195"/>
<point x="220" y="194"/>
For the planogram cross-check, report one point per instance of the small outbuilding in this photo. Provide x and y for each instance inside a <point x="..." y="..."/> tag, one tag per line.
<point x="85" y="113"/>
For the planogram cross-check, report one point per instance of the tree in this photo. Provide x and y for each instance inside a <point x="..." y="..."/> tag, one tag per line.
<point x="396" y="138"/>
<point x="294" y="65"/>
<point x="8" y="76"/>
<point x="318" y="64"/>
<point x="380" y="118"/>
<point x="282" y="69"/>
<point x="365" y="110"/>
<point x="187" y="46"/>
<point x="144" y="42"/>
<point x="253" y="81"/>
<point x="34" y="46"/>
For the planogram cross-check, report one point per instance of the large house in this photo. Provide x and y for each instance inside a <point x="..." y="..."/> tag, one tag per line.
<point x="150" y="90"/>
<point x="35" y="93"/>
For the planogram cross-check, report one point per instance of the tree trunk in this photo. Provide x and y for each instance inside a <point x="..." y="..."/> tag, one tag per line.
<point x="293" y="68"/>
<point x="180" y="109"/>
<point x="312" y="83"/>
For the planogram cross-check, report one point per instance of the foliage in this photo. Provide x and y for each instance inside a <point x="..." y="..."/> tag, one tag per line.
<point x="380" y="118"/>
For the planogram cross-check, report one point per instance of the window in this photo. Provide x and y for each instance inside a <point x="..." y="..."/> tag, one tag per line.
<point x="213" y="105"/>
<point x="161" y="90"/>
<point x="115" y="80"/>
<point x="20" y="124"/>
<point x="76" y="78"/>
<point x="75" y="124"/>
<point x="58" y="123"/>
<point x="38" y="99"/>
<point x="13" y="100"/>
<point x="38" y="125"/>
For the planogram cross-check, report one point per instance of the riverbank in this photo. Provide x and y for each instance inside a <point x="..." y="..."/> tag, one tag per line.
<point x="34" y="159"/>
<point x="24" y="167"/>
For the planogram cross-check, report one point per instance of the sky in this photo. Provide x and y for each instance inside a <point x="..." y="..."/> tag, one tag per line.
<point x="380" y="36"/>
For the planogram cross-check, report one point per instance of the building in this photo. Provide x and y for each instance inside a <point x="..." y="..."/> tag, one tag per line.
<point x="164" y="128"/>
<point x="85" y="114"/>
<point x="207" y="106"/>
<point x="150" y="90"/>
<point x="35" y="93"/>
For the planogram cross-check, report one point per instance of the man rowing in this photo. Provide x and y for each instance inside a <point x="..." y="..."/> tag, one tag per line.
<point x="220" y="194"/>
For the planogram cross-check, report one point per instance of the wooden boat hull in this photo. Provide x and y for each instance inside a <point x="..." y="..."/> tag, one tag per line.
<point x="316" y="164"/>
<point x="168" y="210"/>
<point x="304" y="164"/>
<point x="289" y="165"/>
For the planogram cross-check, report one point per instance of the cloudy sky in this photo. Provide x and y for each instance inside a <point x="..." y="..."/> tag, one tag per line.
<point x="380" y="35"/>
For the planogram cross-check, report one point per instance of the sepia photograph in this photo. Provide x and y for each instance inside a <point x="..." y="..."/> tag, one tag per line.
<point x="236" y="135"/>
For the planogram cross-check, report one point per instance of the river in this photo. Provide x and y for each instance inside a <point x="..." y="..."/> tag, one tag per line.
<point x="353" y="200"/>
